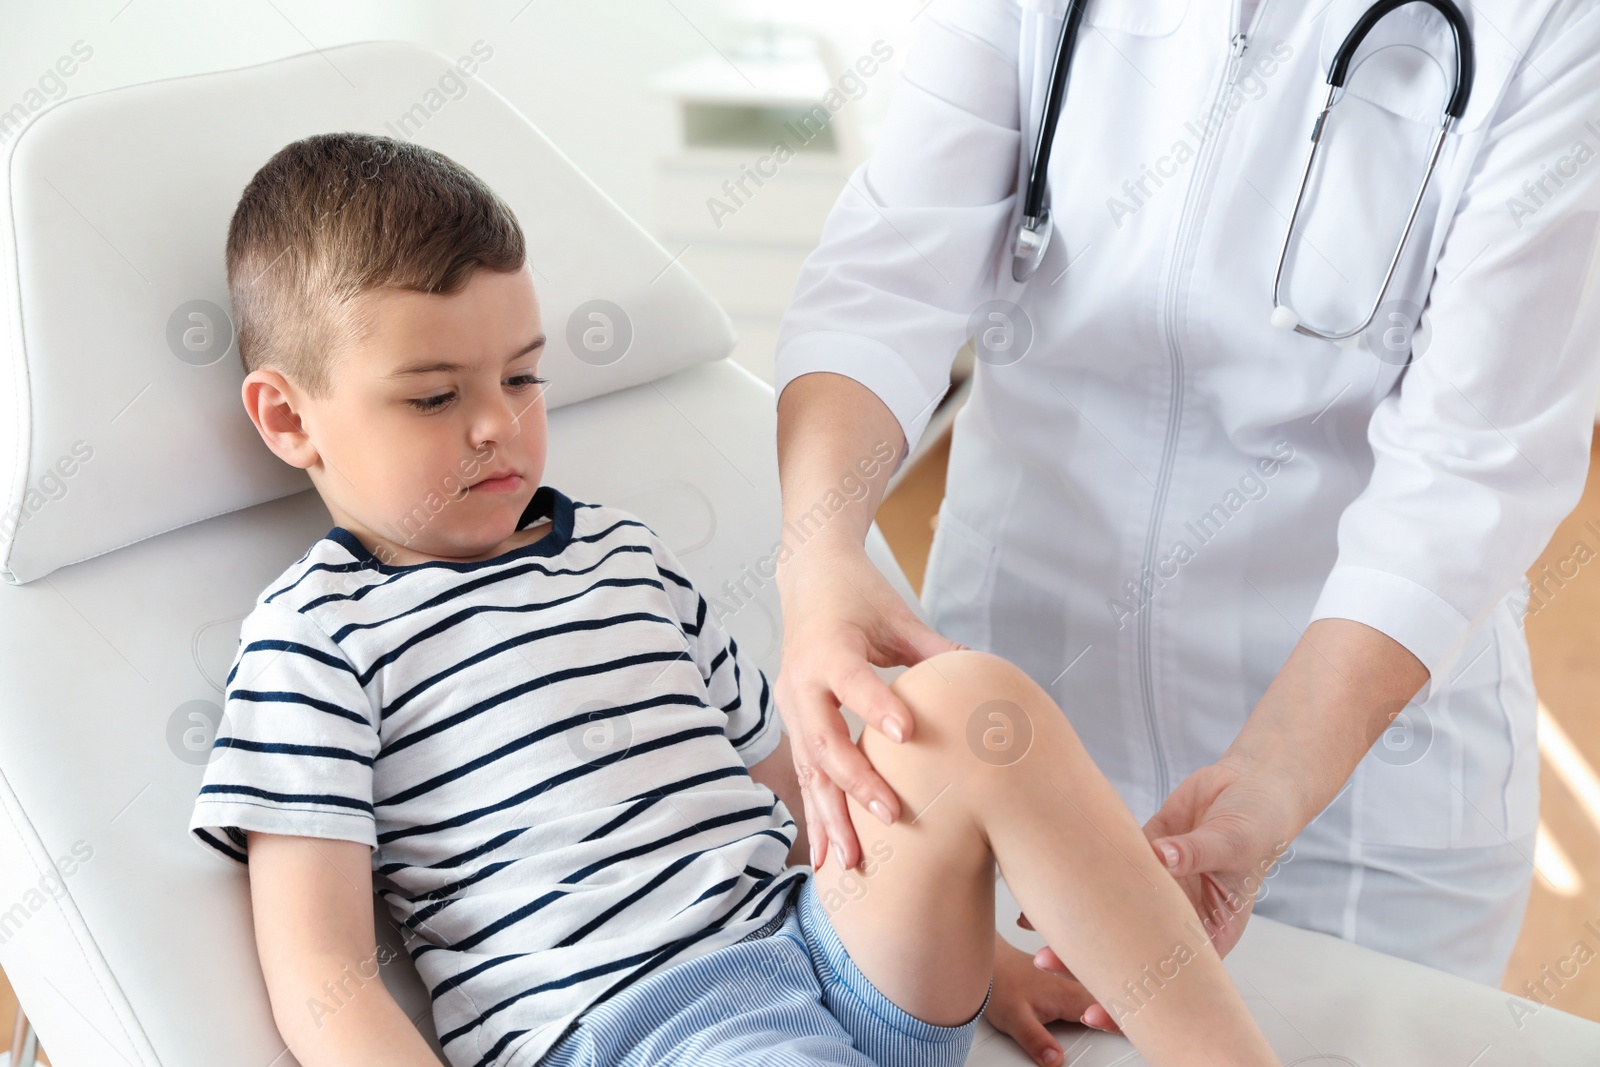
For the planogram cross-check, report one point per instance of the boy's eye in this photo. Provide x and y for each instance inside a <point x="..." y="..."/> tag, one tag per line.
<point x="431" y="403"/>
<point x="434" y="403"/>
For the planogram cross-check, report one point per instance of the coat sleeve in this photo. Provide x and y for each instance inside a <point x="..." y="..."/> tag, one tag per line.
<point x="1483" y="448"/>
<point x="916" y="234"/>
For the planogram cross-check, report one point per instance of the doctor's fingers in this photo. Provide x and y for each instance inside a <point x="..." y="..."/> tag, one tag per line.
<point x="1225" y="834"/>
<point x="1223" y="823"/>
<point x="833" y="767"/>
<point x="851" y="679"/>
<point x="812" y="685"/>
<point x="825" y="807"/>
<point x="816" y="830"/>
<point x="1204" y="824"/>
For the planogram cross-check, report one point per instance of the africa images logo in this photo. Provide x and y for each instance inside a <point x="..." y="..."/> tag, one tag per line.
<point x="850" y="85"/>
<point x="1204" y="528"/>
<point x="1251" y="86"/>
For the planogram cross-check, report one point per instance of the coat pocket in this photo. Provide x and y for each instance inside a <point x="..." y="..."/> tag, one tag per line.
<point x="1375" y="148"/>
<point x="1462" y="769"/>
<point x="1406" y="63"/>
<point x="1147" y="18"/>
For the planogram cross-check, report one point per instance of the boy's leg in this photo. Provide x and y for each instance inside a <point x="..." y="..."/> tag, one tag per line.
<point x="994" y="774"/>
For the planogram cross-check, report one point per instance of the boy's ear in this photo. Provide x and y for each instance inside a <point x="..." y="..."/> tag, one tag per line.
<point x="272" y="404"/>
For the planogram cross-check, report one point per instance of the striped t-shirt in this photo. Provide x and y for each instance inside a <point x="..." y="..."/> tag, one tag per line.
<point x="547" y="750"/>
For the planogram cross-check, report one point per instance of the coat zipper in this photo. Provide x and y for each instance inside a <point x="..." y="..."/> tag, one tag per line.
<point x="1186" y="225"/>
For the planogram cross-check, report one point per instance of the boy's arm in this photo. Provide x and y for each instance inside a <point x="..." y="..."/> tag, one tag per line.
<point x="777" y="773"/>
<point x="312" y="901"/>
<point x="739" y="687"/>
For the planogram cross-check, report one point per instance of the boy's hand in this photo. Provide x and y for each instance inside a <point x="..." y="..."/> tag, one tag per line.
<point x="1026" y="998"/>
<point x="1094" y="1016"/>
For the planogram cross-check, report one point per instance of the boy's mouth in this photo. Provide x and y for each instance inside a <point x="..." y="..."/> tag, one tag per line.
<point x="499" y="482"/>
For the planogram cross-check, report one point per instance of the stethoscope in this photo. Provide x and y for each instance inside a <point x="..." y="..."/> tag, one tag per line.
<point x="1033" y="232"/>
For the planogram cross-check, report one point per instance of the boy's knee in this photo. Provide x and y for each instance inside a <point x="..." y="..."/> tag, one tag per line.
<point x="972" y="700"/>
<point x="951" y="678"/>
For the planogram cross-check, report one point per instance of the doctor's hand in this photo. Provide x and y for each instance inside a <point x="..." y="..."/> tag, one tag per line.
<point x="1220" y="832"/>
<point x="1218" y="835"/>
<point x="841" y="616"/>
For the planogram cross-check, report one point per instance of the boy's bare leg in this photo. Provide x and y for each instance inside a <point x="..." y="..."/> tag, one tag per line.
<point x="994" y="774"/>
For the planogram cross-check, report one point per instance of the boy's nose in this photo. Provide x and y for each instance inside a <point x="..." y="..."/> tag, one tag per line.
<point x="500" y="420"/>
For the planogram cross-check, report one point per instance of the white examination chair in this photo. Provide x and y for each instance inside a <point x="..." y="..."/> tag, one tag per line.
<point x="151" y="514"/>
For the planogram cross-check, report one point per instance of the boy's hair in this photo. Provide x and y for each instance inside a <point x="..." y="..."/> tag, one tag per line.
<point x="336" y="215"/>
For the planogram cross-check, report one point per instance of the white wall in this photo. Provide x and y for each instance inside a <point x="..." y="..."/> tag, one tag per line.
<point x="577" y="69"/>
<point x="582" y="70"/>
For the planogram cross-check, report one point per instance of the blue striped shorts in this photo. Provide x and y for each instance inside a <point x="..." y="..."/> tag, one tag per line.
<point x="793" y="997"/>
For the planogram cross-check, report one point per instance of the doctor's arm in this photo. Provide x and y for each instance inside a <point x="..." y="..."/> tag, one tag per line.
<point x="863" y="357"/>
<point x="312" y="902"/>
<point x="840" y="614"/>
<point x="1478" y="455"/>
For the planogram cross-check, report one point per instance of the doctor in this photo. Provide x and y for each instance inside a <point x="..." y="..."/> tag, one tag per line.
<point x="1260" y="533"/>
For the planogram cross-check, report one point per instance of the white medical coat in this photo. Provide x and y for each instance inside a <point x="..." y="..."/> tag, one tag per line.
<point x="1146" y="509"/>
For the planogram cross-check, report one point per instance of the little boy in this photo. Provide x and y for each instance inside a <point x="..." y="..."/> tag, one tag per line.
<point x="510" y="714"/>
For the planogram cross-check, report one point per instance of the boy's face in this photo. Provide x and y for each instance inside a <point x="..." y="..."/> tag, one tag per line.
<point x="403" y="448"/>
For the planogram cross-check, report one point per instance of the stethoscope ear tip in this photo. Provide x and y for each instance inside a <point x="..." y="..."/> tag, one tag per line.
<point x="1284" y="318"/>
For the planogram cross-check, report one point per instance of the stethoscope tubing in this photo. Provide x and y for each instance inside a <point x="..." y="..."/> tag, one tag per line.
<point x="1039" y="166"/>
<point x="1033" y="232"/>
<point x="1461" y="35"/>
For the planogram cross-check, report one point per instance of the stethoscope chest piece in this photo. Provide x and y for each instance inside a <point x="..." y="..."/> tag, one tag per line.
<point x="1032" y="238"/>
<point x="1033" y="232"/>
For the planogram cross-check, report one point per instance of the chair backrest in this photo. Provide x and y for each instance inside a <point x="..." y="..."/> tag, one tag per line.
<point x="119" y="402"/>
<point x="152" y="514"/>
